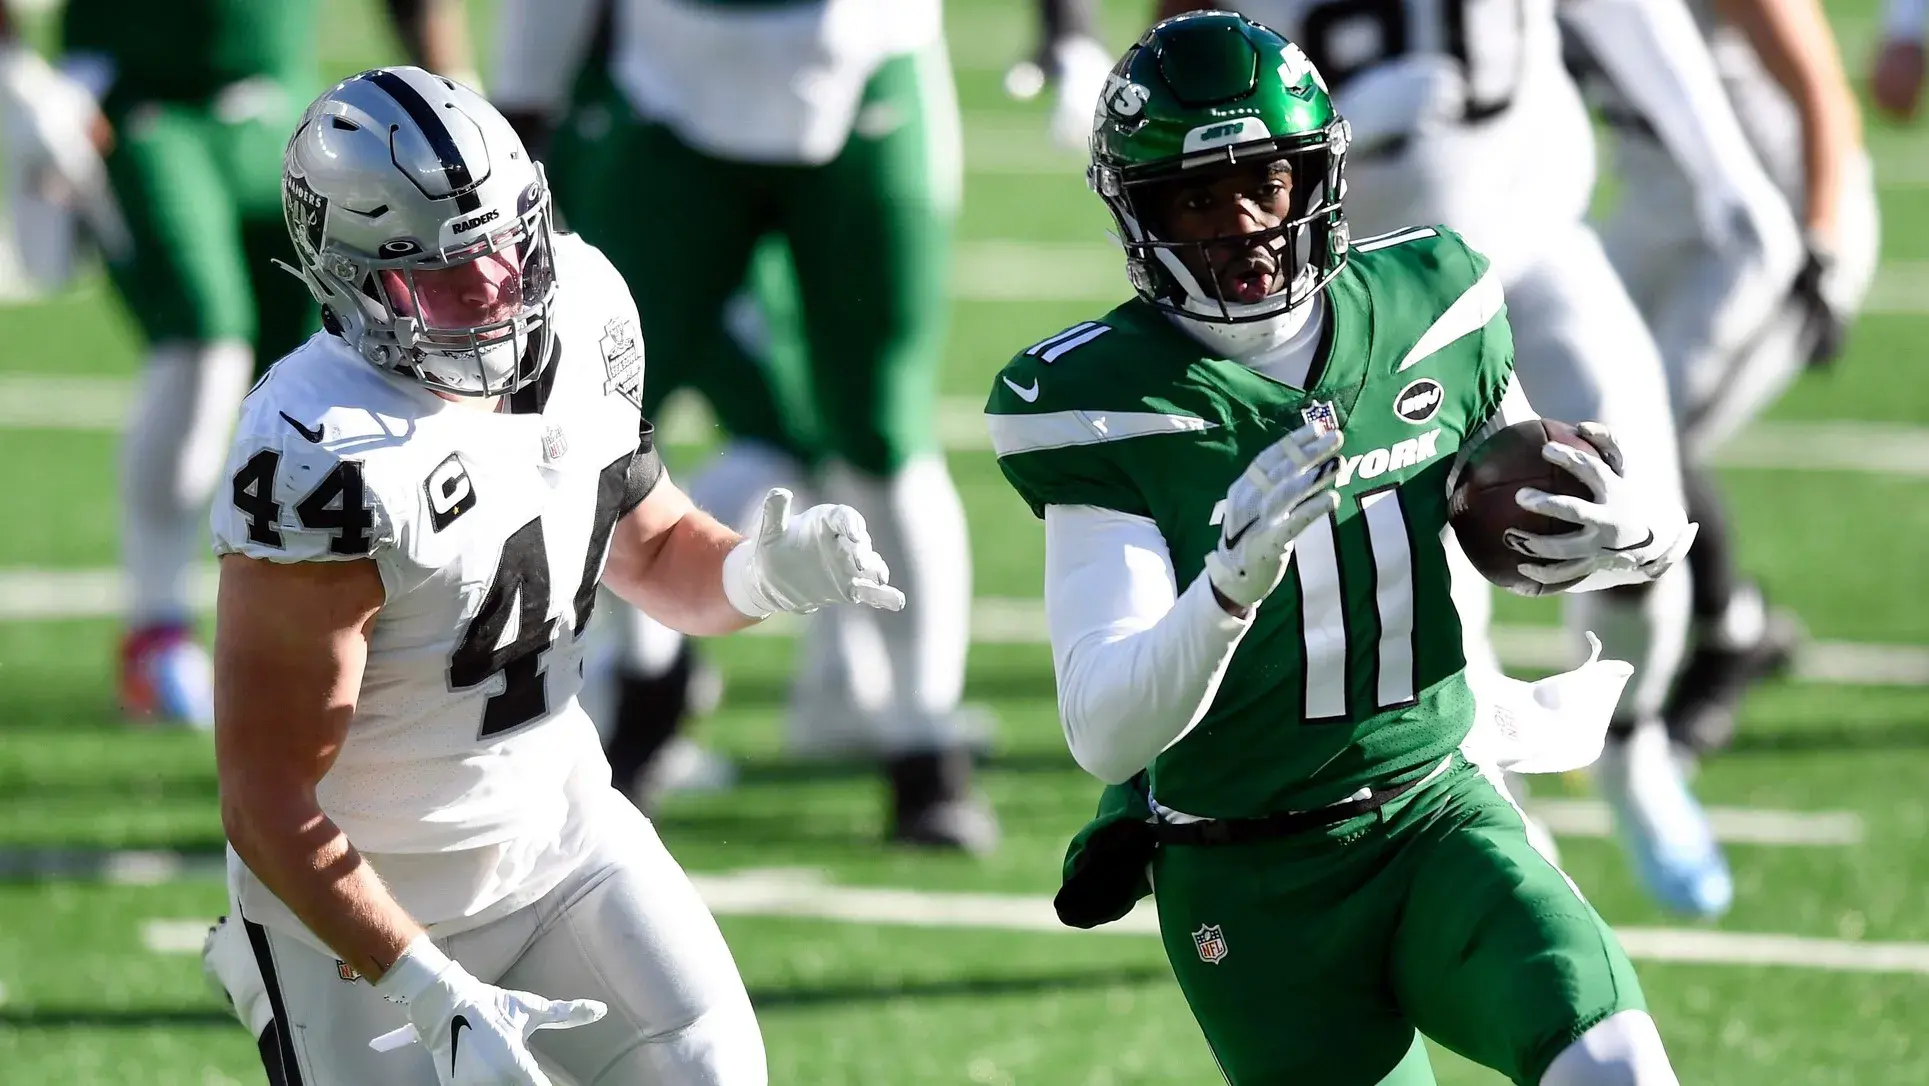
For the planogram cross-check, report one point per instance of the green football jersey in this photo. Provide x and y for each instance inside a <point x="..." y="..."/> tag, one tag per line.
<point x="1352" y="671"/>
<point x="186" y="50"/>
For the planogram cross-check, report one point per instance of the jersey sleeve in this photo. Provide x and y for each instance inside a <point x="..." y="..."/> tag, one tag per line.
<point x="287" y="498"/>
<point x="1476" y="292"/>
<point x="1053" y="439"/>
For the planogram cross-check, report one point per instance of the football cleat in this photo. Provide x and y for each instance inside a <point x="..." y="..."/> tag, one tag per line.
<point x="167" y="677"/>
<point x="1663" y="826"/>
<point x="1707" y="695"/>
<point x="934" y="806"/>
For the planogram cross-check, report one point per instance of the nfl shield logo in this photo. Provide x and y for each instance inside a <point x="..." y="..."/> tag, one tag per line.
<point x="1211" y="943"/>
<point x="554" y="444"/>
<point x="1320" y="416"/>
<point x="346" y="971"/>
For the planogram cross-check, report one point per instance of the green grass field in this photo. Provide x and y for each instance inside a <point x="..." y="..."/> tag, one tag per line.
<point x="857" y="986"/>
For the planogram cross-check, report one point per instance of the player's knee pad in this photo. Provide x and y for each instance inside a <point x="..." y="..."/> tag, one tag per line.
<point x="1623" y="1049"/>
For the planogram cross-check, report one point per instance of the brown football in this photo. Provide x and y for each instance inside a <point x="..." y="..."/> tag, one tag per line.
<point x="1482" y="506"/>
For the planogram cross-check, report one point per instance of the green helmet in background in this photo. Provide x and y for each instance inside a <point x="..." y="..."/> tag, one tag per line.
<point x="1214" y="91"/>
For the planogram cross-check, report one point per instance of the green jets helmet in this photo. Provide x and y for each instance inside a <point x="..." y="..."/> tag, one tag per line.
<point x="1212" y="91"/>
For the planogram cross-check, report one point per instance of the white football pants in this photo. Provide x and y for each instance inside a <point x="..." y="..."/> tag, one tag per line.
<point x="626" y="928"/>
<point x="171" y="459"/>
<point x="1730" y="340"/>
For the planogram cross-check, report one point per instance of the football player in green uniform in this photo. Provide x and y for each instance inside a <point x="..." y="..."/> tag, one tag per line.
<point x="831" y="125"/>
<point x="1244" y="477"/>
<point x="189" y="103"/>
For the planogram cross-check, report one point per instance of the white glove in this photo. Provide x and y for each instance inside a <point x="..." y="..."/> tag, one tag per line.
<point x="800" y="563"/>
<point x="477" y="1034"/>
<point x="1553" y="725"/>
<point x="1285" y="488"/>
<point x="52" y="162"/>
<point x="1625" y="531"/>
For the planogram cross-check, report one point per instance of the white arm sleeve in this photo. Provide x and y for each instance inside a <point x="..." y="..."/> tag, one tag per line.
<point x="1138" y="662"/>
<point x="539" y="47"/>
<point x="1655" y="55"/>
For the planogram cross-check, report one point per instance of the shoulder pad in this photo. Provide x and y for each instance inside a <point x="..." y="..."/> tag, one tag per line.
<point x="297" y="485"/>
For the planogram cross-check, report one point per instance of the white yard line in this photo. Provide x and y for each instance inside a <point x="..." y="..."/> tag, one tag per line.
<point x="39" y="595"/>
<point x="804" y="895"/>
<point x="1733" y="825"/>
<point x="174" y="936"/>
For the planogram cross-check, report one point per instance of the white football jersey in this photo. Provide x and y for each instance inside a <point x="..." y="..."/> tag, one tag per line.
<point x="489" y="529"/>
<point x="1461" y="111"/>
<point x="771" y="83"/>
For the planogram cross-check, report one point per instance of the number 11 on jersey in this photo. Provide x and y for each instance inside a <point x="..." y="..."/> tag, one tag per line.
<point x="1323" y="612"/>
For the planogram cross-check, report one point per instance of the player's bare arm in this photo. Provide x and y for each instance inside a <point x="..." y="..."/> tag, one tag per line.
<point x="691" y="573"/>
<point x="667" y="558"/>
<point x="290" y="645"/>
<point x="435" y="35"/>
<point x="1797" y="46"/>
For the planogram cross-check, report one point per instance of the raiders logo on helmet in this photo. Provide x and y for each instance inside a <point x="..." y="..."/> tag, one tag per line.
<point x="306" y="211"/>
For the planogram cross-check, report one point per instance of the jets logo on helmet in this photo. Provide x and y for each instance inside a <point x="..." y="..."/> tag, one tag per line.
<point x="1211" y="95"/>
<point x="1295" y="66"/>
<point x="1125" y="98"/>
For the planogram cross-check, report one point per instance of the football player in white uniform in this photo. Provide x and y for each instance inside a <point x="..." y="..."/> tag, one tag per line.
<point x="424" y="498"/>
<point x="1462" y="113"/>
<point x="1735" y="322"/>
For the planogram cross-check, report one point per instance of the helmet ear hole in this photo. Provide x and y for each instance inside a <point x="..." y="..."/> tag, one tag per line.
<point x="330" y="322"/>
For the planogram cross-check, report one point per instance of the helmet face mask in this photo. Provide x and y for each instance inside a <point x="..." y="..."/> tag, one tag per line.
<point x="388" y="199"/>
<point x="464" y="321"/>
<point x="1205" y="97"/>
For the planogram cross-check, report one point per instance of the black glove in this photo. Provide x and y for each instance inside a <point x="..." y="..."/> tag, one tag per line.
<point x="1828" y="327"/>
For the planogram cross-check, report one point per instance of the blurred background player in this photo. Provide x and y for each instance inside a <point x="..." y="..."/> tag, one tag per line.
<point x="1451" y="108"/>
<point x="1734" y="324"/>
<point x="1895" y="82"/>
<point x="189" y="103"/>
<point x="831" y="126"/>
<point x="1072" y="61"/>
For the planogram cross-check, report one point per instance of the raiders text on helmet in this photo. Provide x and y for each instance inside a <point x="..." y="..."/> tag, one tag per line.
<point x="387" y="186"/>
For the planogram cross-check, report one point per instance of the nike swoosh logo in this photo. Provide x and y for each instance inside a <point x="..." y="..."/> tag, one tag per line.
<point x="314" y="435"/>
<point x="1029" y="395"/>
<point x="456" y="1026"/>
<point x="1648" y="541"/>
<point x="1233" y="538"/>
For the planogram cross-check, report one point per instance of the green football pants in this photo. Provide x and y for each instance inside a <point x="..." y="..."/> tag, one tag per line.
<point x="1314" y="958"/>
<point x="868" y="238"/>
<point x="202" y="197"/>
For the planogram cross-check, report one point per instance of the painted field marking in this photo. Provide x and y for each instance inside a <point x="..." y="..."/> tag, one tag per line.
<point x="804" y="895"/>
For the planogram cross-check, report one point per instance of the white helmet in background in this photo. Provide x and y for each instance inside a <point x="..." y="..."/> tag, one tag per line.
<point x="423" y="227"/>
